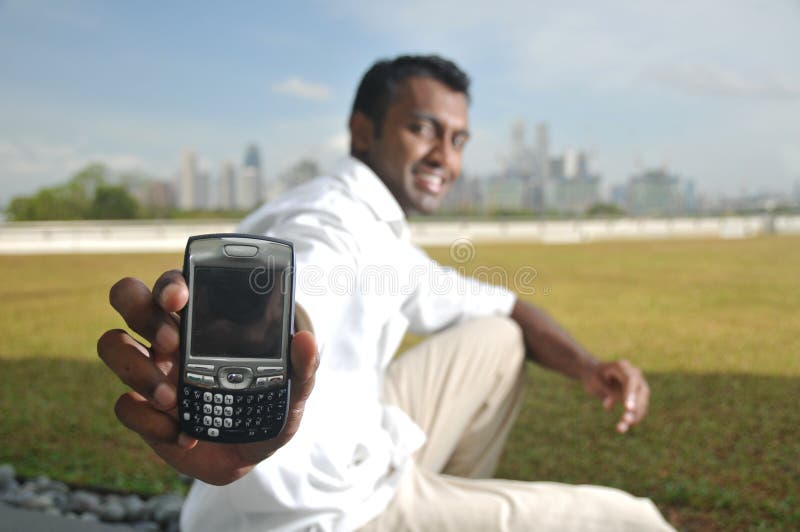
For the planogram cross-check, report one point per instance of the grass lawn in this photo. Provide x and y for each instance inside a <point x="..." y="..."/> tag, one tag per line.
<point x="715" y="325"/>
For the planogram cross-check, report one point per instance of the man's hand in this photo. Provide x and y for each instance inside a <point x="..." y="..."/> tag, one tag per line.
<point x="150" y="408"/>
<point x="620" y="382"/>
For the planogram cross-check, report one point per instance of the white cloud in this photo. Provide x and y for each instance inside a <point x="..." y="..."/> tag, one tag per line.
<point x="31" y="164"/>
<point x="710" y="80"/>
<point x="339" y="142"/>
<point x="300" y="88"/>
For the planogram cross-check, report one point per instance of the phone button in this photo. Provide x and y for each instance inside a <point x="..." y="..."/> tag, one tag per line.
<point x="194" y="378"/>
<point x="201" y="367"/>
<point x="208" y="381"/>
<point x="235" y="378"/>
<point x="234" y="250"/>
<point x="213" y="432"/>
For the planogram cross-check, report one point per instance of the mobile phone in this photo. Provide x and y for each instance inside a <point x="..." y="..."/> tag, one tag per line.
<point x="236" y="331"/>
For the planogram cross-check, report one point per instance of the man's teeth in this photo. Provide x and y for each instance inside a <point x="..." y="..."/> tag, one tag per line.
<point x="433" y="179"/>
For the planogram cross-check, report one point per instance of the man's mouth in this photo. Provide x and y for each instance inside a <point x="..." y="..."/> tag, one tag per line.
<point x="430" y="183"/>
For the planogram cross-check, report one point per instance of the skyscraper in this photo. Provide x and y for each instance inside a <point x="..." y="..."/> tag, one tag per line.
<point x="226" y="187"/>
<point x="187" y="181"/>
<point x="249" y="192"/>
<point x="542" y="152"/>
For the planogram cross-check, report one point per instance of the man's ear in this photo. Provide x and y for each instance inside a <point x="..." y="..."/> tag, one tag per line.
<point x="361" y="132"/>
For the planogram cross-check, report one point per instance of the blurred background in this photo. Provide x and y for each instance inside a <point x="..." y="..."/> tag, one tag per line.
<point x="657" y="144"/>
<point x="690" y="108"/>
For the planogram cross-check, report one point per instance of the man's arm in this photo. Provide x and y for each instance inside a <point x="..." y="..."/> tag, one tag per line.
<point x="150" y="408"/>
<point x="549" y="345"/>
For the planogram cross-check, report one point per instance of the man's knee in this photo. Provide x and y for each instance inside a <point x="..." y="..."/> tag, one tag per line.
<point x="503" y="334"/>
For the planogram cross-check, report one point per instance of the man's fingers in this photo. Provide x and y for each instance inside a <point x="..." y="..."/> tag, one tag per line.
<point x="154" y="426"/>
<point x="170" y="291"/>
<point x="134" y="302"/>
<point x="631" y="389"/>
<point x="130" y="361"/>
<point x="305" y="361"/>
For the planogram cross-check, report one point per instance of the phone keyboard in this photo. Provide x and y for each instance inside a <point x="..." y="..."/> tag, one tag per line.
<point x="233" y="416"/>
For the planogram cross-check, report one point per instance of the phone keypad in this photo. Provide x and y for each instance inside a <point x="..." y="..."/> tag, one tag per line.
<point x="233" y="416"/>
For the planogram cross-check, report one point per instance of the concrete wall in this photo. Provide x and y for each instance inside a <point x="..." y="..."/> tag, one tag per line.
<point x="170" y="235"/>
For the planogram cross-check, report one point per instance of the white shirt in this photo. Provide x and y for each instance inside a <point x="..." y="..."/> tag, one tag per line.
<point x="364" y="284"/>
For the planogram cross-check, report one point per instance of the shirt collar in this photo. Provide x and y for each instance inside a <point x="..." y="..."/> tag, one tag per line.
<point x="367" y="186"/>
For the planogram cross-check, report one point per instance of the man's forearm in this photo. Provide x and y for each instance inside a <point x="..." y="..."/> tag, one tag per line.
<point x="548" y="344"/>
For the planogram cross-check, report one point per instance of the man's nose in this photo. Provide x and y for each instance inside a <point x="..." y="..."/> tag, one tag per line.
<point x="444" y="154"/>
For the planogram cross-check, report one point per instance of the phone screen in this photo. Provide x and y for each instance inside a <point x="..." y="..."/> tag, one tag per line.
<point x="237" y="312"/>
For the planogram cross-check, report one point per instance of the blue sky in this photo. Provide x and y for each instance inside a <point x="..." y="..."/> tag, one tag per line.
<point x="710" y="88"/>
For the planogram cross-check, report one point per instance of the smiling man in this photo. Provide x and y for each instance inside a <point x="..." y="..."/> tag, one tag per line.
<point x="385" y="443"/>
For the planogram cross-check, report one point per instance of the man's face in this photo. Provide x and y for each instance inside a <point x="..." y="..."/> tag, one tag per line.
<point x="418" y="152"/>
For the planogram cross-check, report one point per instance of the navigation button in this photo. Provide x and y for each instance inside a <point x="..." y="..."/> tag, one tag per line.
<point x="200" y="367"/>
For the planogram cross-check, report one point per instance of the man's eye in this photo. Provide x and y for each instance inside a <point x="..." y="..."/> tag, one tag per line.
<point x="459" y="141"/>
<point x="424" y="129"/>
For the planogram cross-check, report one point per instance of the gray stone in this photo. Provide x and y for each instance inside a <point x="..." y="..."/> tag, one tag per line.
<point x="60" y="499"/>
<point x="41" y="483"/>
<point x="18" y="497"/>
<point x="135" y="509"/>
<point x="166" y="508"/>
<point x="57" y="486"/>
<point x="112" y="510"/>
<point x="53" y="511"/>
<point x="84" y="501"/>
<point x="37" y="502"/>
<point x="9" y="488"/>
<point x="7" y="477"/>
<point x="89" y="516"/>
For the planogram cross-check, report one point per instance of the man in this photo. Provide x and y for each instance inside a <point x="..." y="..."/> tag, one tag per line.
<point x="384" y="443"/>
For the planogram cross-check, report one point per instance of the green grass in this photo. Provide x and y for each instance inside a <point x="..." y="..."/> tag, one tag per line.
<point x="714" y="324"/>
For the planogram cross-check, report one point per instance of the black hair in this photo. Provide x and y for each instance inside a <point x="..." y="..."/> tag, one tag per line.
<point x="379" y="85"/>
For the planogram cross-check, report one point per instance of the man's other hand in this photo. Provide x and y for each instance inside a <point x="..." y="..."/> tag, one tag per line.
<point x="620" y="382"/>
<point x="150" y="407"/>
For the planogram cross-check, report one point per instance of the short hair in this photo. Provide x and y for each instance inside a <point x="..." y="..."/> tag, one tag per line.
<point x="379" y="85"/>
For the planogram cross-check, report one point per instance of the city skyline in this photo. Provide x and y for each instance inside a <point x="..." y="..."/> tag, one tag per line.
<point x="133" y="88"/>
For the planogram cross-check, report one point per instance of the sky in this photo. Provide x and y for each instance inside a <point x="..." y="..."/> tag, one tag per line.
<point x="709" y="89"/>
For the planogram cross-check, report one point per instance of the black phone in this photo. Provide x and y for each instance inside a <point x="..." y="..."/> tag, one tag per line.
<point x="236" y="333"/>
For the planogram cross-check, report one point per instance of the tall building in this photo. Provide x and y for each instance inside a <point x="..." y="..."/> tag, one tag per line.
<point x="186" y="188"/>
<point x="249" y="189"/>
<point x="542" y="152"/>
<point x="575" y="165"/>
<point x="202" y="198"/>
<point x="654" y="193"/>
<point x="226" y="187"/>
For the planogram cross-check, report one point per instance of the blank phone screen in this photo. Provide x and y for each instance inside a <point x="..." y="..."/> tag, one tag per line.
<point x="237" y="312"/>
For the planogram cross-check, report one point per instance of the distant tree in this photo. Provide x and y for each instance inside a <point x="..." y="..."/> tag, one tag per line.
<point x="113" y="203"/>
<point x="604" y="209"/>
<point x="85" y="195"/>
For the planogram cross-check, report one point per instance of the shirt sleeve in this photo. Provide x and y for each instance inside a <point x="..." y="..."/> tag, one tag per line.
<point x="442" y="296"/>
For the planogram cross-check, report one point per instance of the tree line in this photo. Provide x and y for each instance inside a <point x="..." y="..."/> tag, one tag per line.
<point x="87" y="195"/>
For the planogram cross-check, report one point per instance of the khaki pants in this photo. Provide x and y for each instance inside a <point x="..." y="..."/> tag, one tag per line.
<point x="464" y="388"/>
